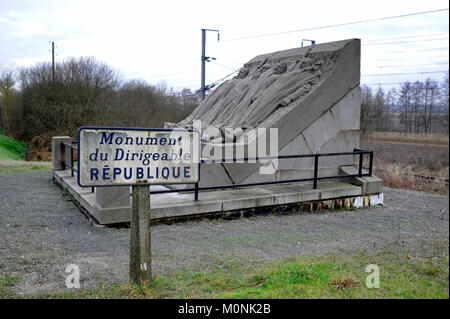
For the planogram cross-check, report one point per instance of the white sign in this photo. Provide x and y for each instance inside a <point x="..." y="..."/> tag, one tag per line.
<point x="129" y="156"/>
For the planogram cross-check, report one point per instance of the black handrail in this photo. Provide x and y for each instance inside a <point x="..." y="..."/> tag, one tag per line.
<point x="71" y="165"/>
<point x="314" y="179"/>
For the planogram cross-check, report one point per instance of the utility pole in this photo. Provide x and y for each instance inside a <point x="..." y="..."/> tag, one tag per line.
<point x="53" y="62"/>
<point x="205" y="59"/>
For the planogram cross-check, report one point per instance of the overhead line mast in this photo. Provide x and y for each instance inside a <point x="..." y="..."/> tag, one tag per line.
<point x="204" y="59"/>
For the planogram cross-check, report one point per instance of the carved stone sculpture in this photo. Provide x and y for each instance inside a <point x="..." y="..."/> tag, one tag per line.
<point x="310" y="94"/>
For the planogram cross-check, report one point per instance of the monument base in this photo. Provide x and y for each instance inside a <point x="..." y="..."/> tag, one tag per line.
<point x="248" y="201"/>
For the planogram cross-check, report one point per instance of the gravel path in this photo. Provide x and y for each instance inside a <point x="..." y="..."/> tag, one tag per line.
<point x="42" y="232"/>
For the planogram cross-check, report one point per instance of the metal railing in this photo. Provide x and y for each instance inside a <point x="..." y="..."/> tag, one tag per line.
<point x="72" y="161"/>
<point x="196" y="189"/>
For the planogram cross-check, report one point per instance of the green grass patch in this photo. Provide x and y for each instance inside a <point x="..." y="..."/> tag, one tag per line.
<point x="6" y="283"/>
<point x="332" y="276"/>
<point x="24" y="168"/>
<point x="11" y="149"/>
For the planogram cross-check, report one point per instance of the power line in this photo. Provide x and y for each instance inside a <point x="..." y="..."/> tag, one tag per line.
<point x="427" y="58"/>
<point x="406" y="37"/>
<point x="223" y="78"/>
<point x="411" y="65"/>
<point x="224" y="66"/>
<point x="393" y="83"/>
<point x="234" y="62"/>
<point x="397" y="42"/>
<point x="167" y="74"/>
<point x="336" y="25"/>
<point x="430" y="49"/>
<point x="405" y="73"/>
<point x="385" y="83"/>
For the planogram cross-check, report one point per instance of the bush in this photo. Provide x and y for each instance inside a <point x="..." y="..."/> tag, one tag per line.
<point x="84" y="91"/>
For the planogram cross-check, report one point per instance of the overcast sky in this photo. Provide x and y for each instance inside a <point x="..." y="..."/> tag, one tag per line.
<point x="161" y="40"/>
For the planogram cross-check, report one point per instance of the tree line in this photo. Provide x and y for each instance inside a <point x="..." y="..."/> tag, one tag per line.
<point x="39" y="100"/>
<point x="414" y="107"/>
<point x="82" y="91"/>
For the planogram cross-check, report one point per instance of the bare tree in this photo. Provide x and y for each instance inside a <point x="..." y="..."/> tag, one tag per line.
<point x="81" y="91"/>
<point x="7" y="82"/>
<point x="366" y="106"/>
<point x="431" y="94"/>
<point x="444" y="88"/>
<point x="404" y="100"/>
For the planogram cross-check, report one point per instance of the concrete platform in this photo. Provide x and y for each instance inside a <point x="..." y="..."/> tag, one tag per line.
<point x="179" y="205"/>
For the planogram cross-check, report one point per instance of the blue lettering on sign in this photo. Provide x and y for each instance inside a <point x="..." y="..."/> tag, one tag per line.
<point x="105" y="139"/>
<point x="187" y="174"/>
<point x="116" y="172"/>
<point x="108" y="173"/>
<point x="125" y="173"/>
<point x="139" y="173"/>
<point x="94" y="173"/>
<point x="119" y="154"/>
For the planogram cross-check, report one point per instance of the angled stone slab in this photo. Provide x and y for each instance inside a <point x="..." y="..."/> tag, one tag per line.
<point x="344" y="141"/>
<point x="344" y="78"/>
<point x="347" y="111"/>
<point x="321" y="131"/>
<point x="297" y="146"/>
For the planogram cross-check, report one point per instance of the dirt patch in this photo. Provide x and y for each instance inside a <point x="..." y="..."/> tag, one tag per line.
<point x="344" y="283"/>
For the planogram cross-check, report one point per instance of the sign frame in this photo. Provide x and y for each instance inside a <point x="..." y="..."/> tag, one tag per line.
<point x="138" y="129"/>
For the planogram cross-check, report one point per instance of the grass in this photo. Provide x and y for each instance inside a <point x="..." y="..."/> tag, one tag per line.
<point x="397" y="162"/>
<point x="330" y="276"/>
<point x="11" y="149"/>
<point x="6" y="282"/>
<point x="12" y="157"/>
<point x="35" y="166"/>
<point x="416" y="138"/>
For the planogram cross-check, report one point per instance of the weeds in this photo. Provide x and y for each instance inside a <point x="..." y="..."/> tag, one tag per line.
<point x="398" y="137"/>
<point x="344" y="283"/>
<point x="420" y="167"/>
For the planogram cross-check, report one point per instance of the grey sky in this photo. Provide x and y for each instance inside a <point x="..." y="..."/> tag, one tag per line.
<point x="160" y="40"/>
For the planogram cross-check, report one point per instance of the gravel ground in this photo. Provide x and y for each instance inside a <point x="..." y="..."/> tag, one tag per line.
<point x="42" y="232"/>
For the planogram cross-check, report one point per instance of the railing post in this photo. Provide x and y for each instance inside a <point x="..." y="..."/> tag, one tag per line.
<point x="196" y="192"/>
<point x="370" y="162"/>
<point x="59" y="152"/>
<point x="360" y="164"/>
<point x="316" y="168"/>
<point x="71" y="161"/>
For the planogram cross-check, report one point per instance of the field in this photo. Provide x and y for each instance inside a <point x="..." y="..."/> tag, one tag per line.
<point x="411" y="161"/>
<point x="434" y="139"/>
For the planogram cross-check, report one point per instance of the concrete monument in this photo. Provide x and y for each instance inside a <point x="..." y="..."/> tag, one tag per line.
<point x="311" y="95"/>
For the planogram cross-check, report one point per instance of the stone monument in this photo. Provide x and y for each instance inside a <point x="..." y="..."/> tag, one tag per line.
<point x="310" y="94"/>
<point x="298" y="101"/>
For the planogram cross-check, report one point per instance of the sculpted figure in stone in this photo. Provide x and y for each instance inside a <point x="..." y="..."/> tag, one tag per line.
<point x="258" y="91"/>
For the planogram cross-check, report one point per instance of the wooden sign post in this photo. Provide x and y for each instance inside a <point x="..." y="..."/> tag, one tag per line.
<point x="140" y="236"/>
<point x="138" y="157"/>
